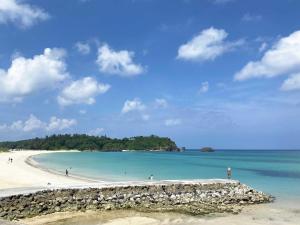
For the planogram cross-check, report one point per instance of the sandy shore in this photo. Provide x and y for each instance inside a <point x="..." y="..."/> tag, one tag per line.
<point x="269" y="214"/>
<point x="19" y="174"/>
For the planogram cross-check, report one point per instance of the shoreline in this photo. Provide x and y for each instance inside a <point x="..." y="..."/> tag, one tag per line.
<point x="287" y="213"/>
<point x="31" y="162"/>
<point x="20" y="174"/>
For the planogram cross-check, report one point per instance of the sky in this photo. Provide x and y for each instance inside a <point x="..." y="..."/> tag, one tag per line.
<point x="220" y="73"/>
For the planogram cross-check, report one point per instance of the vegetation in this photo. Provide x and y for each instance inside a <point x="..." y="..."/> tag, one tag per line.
<point x="3" y="149"/>
<point x="86" y="142"/>
<point x="207" y="149"/>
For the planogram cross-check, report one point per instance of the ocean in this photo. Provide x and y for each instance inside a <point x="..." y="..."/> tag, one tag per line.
<point x="274" y="172"/>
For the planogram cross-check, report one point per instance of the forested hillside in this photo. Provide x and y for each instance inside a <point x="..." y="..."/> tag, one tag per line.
<point x="86" y="142"/>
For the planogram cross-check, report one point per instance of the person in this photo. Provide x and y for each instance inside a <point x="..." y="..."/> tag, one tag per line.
<point x="151" y="177"/>
<point x="229" y="173"/>
<point x="67" y="172"/>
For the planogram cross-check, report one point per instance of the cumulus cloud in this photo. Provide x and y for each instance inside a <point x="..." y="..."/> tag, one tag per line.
<point x="96" y="132"/>
<point x="204" y="87"/>
<point x="251" y="17"/>
<point x="27" y="75"/>
<point x="263" y="47"/>
<point x="133" y="105"/>
<point x="3" y="126"/>
<point x="60" y="124"/>
<point x="161" y="102"/>
<point x="172" y="122"/>
<point x="83" y="48"/>
<point x="207" y="45"/>
<point x="20" y="13"/>
<point x="33" y="123"/>
<point x="83" y="91"/>
<point x="82" y="111"/>
<point x="282" y="58"/>
<point x="118" y="62"/>
<point x="292" y="83"/>
<point x="145" y="117"/>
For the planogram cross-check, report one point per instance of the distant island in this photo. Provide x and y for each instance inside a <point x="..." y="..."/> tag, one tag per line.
<point x="207" y="149"/>
<point x="85" y="142"/>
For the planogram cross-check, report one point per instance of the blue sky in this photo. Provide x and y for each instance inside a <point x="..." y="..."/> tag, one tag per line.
<point x="221" y="73"/>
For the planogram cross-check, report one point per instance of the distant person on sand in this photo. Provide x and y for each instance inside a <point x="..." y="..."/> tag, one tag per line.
<point x="67" y="172"/>
<point x="229" y="173"/>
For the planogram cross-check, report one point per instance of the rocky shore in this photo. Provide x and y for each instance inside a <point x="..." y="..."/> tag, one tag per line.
<point x="195" y="198"/>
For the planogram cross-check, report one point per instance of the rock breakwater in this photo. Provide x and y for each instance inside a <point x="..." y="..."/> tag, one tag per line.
<point x="195" y="198"/>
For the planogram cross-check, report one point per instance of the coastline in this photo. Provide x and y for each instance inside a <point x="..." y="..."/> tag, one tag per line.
<point x="257" y="214"/>
<point x="31" y="162"/>
<point x="21" y="174"/>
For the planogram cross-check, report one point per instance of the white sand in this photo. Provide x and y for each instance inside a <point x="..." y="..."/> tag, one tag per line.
<point x="19" y="174"/>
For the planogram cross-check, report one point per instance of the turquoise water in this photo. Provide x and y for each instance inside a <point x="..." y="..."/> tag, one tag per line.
<point x="274" y="172"/>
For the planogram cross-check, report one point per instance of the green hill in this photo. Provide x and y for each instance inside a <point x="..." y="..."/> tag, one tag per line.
<point x="86" y="142"/>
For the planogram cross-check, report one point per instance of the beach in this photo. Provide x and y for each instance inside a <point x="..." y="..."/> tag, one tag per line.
<point x="20" y="176"/>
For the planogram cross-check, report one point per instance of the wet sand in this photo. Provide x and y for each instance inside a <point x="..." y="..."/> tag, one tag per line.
<point x="267" y="214"/>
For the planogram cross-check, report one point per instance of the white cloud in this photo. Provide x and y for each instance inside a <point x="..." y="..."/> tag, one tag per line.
<point x="21" y="14"/>
<point x="172" y="122"/>
<point x="17" y="125"/>
<point x="133" y="105"/>
<point x="207" y="45"/>
<point x="3" y="126"/>
<point x="251" y="17"/>
<point x="82" y="111"/>
<point x="263" y="47"/>
<point x="33" y="123"/>
<point x="204" y="87"/>
<point x="282" y="58"/>
<point x="83" y="48"/>
<point x="292" y="83"/>
<point x="60" y="124"/>
<point x="27" y="75"/>
<point x="96" y="132"/>
<point x="83" y="91"/>
<point x="161" y="102"/>
<point x="145" y="117"/>
<point x="221" y="85"/>
<point x="118" y="62"/>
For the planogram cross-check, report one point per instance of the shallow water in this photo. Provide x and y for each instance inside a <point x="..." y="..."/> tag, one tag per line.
<point x="274" y="172"/>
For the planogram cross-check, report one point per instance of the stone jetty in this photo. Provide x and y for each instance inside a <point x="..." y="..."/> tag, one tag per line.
<point x="197" y="197"/>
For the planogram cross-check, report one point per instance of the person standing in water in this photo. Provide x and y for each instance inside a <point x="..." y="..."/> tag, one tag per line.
<point x="229" y="173"/>
<point x="67" y="172"/>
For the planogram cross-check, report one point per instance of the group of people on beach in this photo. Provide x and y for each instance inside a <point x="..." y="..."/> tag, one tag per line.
<point x="10" y="160"/>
